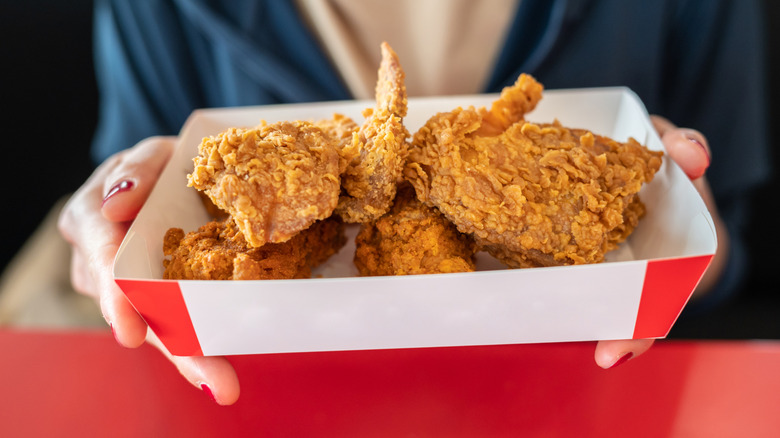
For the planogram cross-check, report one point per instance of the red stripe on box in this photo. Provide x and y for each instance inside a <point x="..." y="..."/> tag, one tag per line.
<point x="667" y="287"/>
<point x="161" y="304"/>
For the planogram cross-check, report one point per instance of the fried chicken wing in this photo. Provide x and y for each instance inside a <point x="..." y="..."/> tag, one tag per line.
<point x="530" y="194"/>
<point x="378" y="150"/>
<point x="275" y="180"/>
<point x="218" y="251"/>
<point x="412" y="238"/>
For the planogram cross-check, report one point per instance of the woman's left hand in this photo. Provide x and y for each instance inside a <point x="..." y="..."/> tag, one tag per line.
<point x="690" y="150"/>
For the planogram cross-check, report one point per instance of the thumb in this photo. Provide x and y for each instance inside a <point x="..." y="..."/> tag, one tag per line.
<point x="687" y="147"/>
<point x="131" y="180"/>
<point x="214" y="375"/>
<point x="612" y="353"/>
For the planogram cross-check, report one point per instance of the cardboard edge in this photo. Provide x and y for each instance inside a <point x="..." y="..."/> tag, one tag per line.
<point x="666" y="289"/>
<point x="162" y="306"/>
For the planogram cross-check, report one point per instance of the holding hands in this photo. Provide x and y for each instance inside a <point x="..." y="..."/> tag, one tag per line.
<point x="97" y="217"/>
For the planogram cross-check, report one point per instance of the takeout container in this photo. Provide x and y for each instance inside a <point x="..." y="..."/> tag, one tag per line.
<point x="637" y="293"/>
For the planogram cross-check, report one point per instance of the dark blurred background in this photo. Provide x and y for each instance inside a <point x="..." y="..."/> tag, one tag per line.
<point x="49" y="96"/>
<point x="50" y="100"/>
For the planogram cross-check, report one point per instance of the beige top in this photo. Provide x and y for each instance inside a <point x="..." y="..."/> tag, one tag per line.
<point x="445" y="46"/>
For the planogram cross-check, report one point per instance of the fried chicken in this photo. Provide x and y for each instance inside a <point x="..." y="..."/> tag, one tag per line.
<point x="378" y="150"/>
<point x="511" y="106"/>
<point x="275" y="180"/>
<point x="341" y="130"/>
<point x="218" y="251"/>
<point x="530" y="194"/>
<point x="412" y="238"/>
<point x="213" y="211"/>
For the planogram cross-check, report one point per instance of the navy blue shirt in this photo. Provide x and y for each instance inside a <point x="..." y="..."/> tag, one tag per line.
<point x="698" y="63"/>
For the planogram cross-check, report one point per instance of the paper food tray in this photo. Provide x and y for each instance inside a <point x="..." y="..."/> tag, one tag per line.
<point x="637" y="293"/>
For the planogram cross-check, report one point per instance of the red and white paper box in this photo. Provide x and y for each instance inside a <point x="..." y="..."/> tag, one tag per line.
<point x="637" y="293"/>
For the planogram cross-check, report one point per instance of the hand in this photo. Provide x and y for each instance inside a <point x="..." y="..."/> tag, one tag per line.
<point x="94" y="222"/>
<point x="690" y="150"/>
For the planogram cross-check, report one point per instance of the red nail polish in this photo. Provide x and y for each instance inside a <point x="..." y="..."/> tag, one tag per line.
<point x="113" y="332"/>
<point x="208" y="392"/>
<point x="623" y="359"/>
<point x="122" y="186"/>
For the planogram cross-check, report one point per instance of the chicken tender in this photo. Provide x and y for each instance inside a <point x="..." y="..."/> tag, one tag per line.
<point x="530" y="194"/>
<point x="218" y="251"/>
<point x="412" y="238"/>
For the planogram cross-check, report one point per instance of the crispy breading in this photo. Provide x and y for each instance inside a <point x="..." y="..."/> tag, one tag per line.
<point x="274" y="179"/>
<point x="341" y="130"/>
<point x="213" y="211"/>
<point x="531" y="194"/>
<point x="511" y="106"/>
<point x="378" y="148"/>
<point x="218" y="251"/>
<point x="412" y="238"/>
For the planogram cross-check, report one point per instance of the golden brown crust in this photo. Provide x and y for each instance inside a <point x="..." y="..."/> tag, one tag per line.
<point x="532" y="195"/>
<point x="412" y="239"/>
<point x="378" y="149"/>
<point x="274" y="179"/>
<point x="511" y="106"/>
<point x="213" y="211"/>
<point x="218" y="251"/>
<point x="341" y="130"/>
<point x="481" y="179"/>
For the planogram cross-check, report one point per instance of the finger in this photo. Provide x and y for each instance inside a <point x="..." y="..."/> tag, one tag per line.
<point x="79" y="275"/>
<point x="610" y="354"/>
<point x="128" y="183"/>
<point x="214" y="375"/>
<point x="128" y="326"/>
<point x="137" y="170"/>
<point x="96" y="240"/>
<point x="687" y="147"/>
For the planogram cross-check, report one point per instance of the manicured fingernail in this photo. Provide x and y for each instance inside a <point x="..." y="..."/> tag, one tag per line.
<point x="623" y="359"/>
<point x="120" y="187"/>
<point x="698" y="143"/>
<point x="208" y="392"/>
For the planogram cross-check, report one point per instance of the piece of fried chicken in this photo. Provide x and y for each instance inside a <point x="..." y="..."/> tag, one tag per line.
<point x="218" y="251"/>
<point x="378" y="150"/>
<point x="412" y="238"/>
<point x="275" y="180"/>
<point x="530" y="194"/>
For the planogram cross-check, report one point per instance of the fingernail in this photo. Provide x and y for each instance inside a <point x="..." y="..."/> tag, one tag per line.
<point x="208" y="392"/>
<point x="698" y="143"/>
<point x="623" y="359"/>
<point x="120" y="187"/>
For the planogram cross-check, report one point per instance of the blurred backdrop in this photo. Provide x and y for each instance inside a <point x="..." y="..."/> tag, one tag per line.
<point x="50" y="105"/>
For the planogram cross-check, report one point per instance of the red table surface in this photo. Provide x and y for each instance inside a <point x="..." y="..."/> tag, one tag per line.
<point x="83" y="384"/>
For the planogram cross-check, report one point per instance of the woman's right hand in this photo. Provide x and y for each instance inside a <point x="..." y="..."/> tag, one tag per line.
<point x="94" y="221"/>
